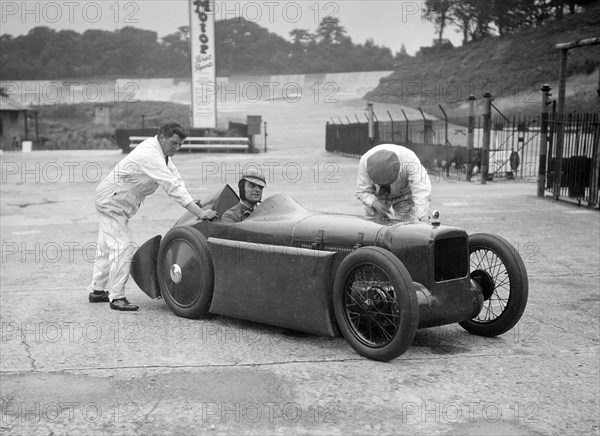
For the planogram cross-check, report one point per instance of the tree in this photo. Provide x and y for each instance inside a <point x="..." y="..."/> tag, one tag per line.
<point x="178" y="41"/>
<point x="302" y="37"/>
<point x="438" y="11"/>
<point x="462" y="15"/>
<point x="62" y="57"/>
<point x="402" y="53"/>
<point x="506" y="15"/>
<point x="482" y="19"/>
<point x="472" y="17"/>
<point x="330" y="31"/>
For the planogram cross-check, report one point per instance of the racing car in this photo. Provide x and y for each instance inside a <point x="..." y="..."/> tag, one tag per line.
<point x="372" y="281"/>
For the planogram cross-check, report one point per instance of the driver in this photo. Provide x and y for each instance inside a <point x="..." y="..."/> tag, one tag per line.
<point x="250" y="186"/>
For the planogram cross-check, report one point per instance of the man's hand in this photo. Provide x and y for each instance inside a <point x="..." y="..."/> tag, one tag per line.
<point x="424" y="219"/>
<point x="207" y="215"/>
<point x="200" y="213"/>
<point x="381" y="209"/>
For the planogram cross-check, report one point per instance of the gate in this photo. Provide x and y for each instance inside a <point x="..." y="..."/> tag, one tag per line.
<point x="573" y="172"/>
<point x="440" y="143"/>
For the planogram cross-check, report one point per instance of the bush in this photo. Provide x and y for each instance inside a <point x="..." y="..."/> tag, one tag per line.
<point x="71" y="127"/>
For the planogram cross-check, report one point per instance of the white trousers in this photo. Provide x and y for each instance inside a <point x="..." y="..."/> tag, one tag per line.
<point x="114" y="252"/>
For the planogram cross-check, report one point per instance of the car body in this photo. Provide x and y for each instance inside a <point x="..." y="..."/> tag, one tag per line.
<point x="371" y="281"/>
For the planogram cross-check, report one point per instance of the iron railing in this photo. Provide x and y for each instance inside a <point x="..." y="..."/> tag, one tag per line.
<point x="515" y="146"/>
<point x="578" y="162"/>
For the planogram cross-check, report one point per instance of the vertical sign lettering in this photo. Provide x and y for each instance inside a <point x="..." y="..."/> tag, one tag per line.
<point x="202" y="53"/>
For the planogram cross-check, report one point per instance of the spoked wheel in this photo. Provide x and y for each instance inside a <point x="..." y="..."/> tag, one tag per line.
<point x="185" y="272"/>
<point x="375" y="304"/>
<point x="499" y="270"/>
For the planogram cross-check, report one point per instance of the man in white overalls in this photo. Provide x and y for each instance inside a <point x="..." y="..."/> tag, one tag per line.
<point x="393" y="184"/>
<point x="118" y="198"/>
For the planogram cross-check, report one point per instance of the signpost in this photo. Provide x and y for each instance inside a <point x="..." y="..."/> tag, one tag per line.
<point x="202" y="51"/>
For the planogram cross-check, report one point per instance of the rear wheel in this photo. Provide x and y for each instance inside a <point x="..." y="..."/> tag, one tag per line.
<point x="185" y="272"/>
<point x="375" y="304"/>
<point x="500" y="272"/>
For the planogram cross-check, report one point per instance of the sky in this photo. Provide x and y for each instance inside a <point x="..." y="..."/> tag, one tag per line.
<point x="390" y="23"/>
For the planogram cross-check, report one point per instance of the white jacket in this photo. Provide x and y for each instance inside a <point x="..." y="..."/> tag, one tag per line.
<point x="412" y="182"/>
<point x="137" y="176"/>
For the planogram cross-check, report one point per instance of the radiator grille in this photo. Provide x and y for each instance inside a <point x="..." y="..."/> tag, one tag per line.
<point x="451" y="259"/>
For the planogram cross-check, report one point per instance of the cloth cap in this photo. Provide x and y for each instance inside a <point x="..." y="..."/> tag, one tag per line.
<point x="383" y="167"/>
<point x="255" y="176"/>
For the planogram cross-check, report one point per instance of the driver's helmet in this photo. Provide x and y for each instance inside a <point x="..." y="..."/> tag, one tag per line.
<point x="254" y="175"/>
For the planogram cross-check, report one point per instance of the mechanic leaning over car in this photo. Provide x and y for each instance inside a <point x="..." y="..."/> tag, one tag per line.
<point x="250" y="186"/>
<point x="393" y="184"/>
<point x="118" y="198"/>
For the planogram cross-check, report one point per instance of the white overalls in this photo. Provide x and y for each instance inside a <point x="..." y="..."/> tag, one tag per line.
<point x="409" y="197"/>
<point x="118" y="198"/>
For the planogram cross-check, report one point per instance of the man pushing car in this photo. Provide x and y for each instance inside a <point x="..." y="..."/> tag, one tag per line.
<point x="393" y="184"/>
<point x="118" y="198"/>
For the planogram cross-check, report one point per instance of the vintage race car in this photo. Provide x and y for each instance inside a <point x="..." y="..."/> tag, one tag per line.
<point x="371" y="281"/>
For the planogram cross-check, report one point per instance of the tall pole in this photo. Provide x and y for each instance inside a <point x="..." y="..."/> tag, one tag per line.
<point x="406" y="132"/>
<point x="560" y="119"/>
<point x="371" y="122"/>
<point x="266" y="134"/>
<point x="470" y="136"/>
<point x="392" y="121"/>
<point x="487" y="131"/>
<point x="543" y="141"/>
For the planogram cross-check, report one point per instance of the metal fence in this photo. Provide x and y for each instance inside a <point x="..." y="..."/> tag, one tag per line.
<point x="441" y="143"/>
<point x="515" y="145"/>
<point x="576" y="162"/>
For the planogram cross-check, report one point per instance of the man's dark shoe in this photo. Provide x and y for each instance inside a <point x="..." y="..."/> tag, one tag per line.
<point x="123" y="304"/>
<point x="98" y="297"/>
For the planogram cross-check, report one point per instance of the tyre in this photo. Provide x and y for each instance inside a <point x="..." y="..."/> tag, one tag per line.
<point x="499" y="270"/>
<point x="185" y="272"/>
<point x="375" y="303"/>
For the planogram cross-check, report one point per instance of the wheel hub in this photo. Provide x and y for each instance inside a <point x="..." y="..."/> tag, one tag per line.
<point x="375" y="297"/>
<point x="484" y="280"/>
<point x="175" y="273"/>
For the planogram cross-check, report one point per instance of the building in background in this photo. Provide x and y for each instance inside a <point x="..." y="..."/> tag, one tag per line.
<point x="13" y="123"/>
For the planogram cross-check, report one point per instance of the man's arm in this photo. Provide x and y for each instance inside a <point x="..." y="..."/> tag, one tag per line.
<point x="200" y="213"/>
<point x="153" y="165"/>
<point x="365" y="189"/>
<point x="420" y="187"/>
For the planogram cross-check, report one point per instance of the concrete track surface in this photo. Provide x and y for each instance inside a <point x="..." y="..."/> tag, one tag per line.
<point x="70" y="367"/>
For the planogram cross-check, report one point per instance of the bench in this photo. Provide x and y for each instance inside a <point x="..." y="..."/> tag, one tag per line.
<point x="216" y="143"/>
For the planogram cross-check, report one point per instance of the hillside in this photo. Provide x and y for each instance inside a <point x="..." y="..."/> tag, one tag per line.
<point x="512" y="68"/>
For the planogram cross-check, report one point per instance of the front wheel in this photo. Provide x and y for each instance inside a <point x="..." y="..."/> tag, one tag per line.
<point x="500" y="272"/>
<point x="185" y="272"/>
<point x="375" y="303"/>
